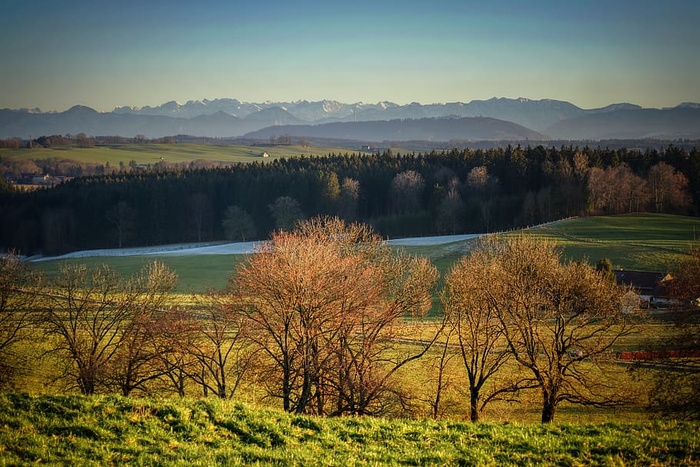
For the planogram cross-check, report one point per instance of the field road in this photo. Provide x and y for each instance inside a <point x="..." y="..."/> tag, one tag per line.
<point x="237" y="248"/>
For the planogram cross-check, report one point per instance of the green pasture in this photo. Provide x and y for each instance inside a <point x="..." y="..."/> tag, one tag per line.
<point x="645" y="242"/>
<point x="36" y="427"/>
<point x="196" y="274"/>
<point x="170" y="153"/>
<point x="112" y="430"/>
<point x="635" y="242"/>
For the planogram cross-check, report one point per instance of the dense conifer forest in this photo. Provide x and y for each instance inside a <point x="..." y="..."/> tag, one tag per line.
<point x="457" y="191"/>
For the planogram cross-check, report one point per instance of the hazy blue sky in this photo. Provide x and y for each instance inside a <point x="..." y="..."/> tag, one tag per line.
<point x="107" y="53"/>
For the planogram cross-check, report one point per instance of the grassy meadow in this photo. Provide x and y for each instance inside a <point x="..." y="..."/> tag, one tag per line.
<point x="175" y="153"/>
<point x="110" y="430"/>
<point x="196" y="274"/>
<point x="38" y="427"/>
<point x="644" y="242"/>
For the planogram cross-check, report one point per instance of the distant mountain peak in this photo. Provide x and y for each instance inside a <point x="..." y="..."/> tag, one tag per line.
<point x="81" y="109"/>
<point x="616" y="107"/>
<point x="386" y="104"/>
<point x="171" y="105"/>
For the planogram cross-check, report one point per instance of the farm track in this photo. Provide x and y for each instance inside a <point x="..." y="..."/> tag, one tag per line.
<point x="587" y="240"/>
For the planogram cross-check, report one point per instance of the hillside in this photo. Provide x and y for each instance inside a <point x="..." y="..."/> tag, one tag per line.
<point x="677" y="123"/>
<point x="649" y="242"/>
<point x="645" y="242"/>
<point x="424" y="129"/>
<point x="115" y="430"/>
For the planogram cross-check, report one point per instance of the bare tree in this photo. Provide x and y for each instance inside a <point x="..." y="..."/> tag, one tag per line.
<point x="174" y="331"/>
<point x="216" y="343"/>
<point x="675" y="391"/>
<point x="136" y="361"/>
<point x="349" y="198"/>
<point x="478" y="178"/>
<point x="18" y="293"/>
<point x="472" y="314"/>
<point x="292" y="294"/>
<point x="617" y="190"/>
<point x="451" y="209"/>
<point x="83" y="319"/>
<point x="84" y="141"/>
<point x="321" y="302"/>
<point x="371" y="349"/>
<point x="407" y="192"/>
<point x="286" y="212"/>
<point x="599" y="189"/>
<point x="482" y="184"/>
<point x="199" y="207"/>
<point x="668" y="189"/>
<point x="238" y="224"/>
<point x="441" y="380"/>
<point x="122" y="217"/>
<point x="100" y="325"/>
<point x="560" y="321"/>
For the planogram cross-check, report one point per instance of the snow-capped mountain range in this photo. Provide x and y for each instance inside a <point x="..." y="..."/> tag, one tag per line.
<point x="534" y="114"/>
<point x="479" y="119"/>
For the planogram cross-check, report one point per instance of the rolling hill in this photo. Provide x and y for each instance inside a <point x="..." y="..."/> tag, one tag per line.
<point x="424" y="129"/>
<point x="682" y="122"/>
<point x="649" y="242"/>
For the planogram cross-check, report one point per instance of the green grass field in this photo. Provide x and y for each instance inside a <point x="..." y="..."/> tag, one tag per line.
<point x="196" y="274"/>
<point x="644" y="242"/>
<point x="112" y="430"/>
<point x="37" y="427"/>
<point x="170" y="153"/>
<point x="647" y="242"/>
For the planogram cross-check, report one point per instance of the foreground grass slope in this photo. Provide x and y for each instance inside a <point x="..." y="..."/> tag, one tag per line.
<point x="80" y="430"/>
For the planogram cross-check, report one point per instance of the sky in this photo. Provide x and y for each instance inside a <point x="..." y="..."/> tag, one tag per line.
<point x="109" y="53"/>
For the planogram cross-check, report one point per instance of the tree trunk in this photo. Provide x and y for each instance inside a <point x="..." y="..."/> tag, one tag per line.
<point x="286" y="390"/>
<point x="87" y="381"/>
<point x="474" y="404"/>
<point x="549" y="405"/>
<point x="181" y="387"/>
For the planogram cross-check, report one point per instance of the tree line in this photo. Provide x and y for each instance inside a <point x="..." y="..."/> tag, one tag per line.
<point x="81" y="140"/>
<point x="326" y="319"/>
<point x="458" y="191"/>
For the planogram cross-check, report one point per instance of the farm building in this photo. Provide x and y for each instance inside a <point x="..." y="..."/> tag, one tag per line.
<point x="650" y="286"/>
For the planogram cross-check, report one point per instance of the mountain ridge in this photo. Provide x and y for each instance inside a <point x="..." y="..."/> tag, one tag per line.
<point x="228" y="117"/>
<point x="442" y="129"/>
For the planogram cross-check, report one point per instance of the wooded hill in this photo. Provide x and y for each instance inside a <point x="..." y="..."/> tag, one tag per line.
<point x="432" y="193"/>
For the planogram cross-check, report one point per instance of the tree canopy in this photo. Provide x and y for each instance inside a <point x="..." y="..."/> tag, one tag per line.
<point x="457" y="191"/>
